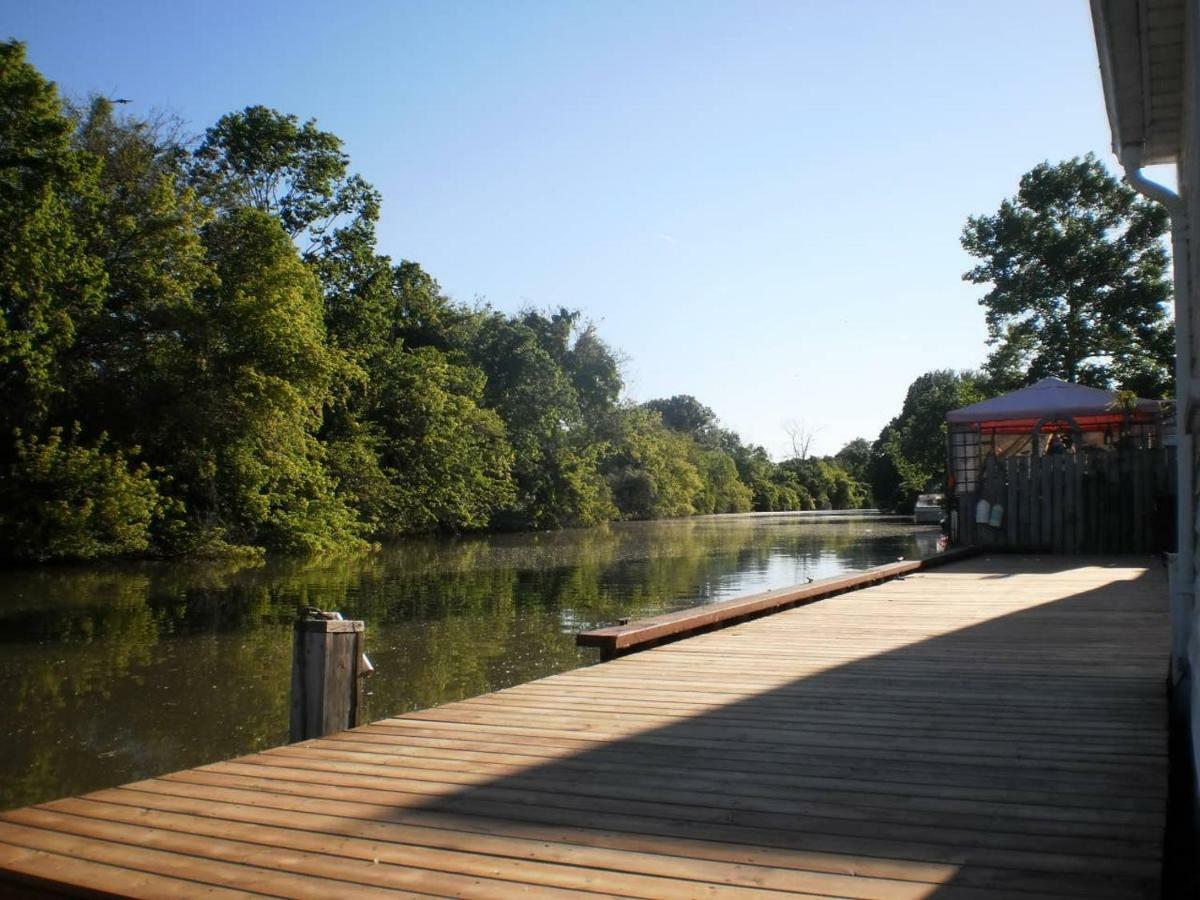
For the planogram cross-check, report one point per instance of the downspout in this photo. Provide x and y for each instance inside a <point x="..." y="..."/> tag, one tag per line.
<point x="1184" y="574"/>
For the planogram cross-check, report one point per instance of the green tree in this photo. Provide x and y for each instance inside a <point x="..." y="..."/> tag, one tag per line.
<point x="772" y="487"/>
<point x="649" y="470"/>
<point x="595" y="373"/>
<point x="822" y="484"/>
<point x="149" y="243"/>
<point x="266" y="160"/>
<point x="51" y="283"/>
<point x="855" y="457"/>
<point x="843" y="490"/>
<point x="722" y="491"/>
<point x="915" y="441"/>
<point x="556" y="464"/>
<point x="359" y="296"/>
<point x="448" y="460"/>
<point x="727" y="468"/>
<point x="411" y="443"/>
<point x="685" y="413"/>
<point x="426" y="317"/>
<point x="407" y="440"/>
<point x="883" y="479"/>
<point x="61" y="499"/>
<point x="1079" y="286"/>
<point x="251" y="377"/>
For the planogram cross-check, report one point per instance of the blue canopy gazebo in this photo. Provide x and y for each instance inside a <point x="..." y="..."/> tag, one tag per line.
<point x="1049" y="416"/>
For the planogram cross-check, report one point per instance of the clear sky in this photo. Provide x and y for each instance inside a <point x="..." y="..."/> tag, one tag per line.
<point x="759" y="203"/>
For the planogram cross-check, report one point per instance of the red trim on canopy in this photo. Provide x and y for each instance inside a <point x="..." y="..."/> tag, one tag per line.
<point x="1083" y="423"/>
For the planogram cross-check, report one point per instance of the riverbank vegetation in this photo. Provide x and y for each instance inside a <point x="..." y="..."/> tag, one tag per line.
<point x="203" y="353"/>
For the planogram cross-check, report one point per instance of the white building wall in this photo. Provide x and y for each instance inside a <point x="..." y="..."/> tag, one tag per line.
<point x="1187" y="624"/>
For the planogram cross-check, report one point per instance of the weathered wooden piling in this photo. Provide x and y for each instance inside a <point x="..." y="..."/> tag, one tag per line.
<point x="328" y="665"/>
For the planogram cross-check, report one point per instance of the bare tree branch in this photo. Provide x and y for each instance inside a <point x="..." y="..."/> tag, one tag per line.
<point x="801" y="435"/>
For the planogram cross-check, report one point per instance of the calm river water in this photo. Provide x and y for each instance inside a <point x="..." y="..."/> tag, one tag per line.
<point x="117" y="672"/>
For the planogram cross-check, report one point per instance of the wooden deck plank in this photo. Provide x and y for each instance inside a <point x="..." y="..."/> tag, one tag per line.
<point x="902" y="808"/>
<point x="629" y="872"/>
<point x="905" y="856"/>
<point x="913" y="787"/>
<point x="373" y="863"/>
<point x="36" y="871"/>
<point x="1032" y="805"/>
<point x="755" y="757"/>
<point x="993" y="728"/>
<point x="241" y="876"/>
<point x="561" y="843"/>
<point x="738" y="810"/>
<point x="1100" y="741"/>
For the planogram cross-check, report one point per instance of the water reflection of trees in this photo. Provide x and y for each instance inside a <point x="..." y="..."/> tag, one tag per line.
<point x="115" y="672"/>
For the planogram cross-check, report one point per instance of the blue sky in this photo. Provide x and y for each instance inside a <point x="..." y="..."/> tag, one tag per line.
<point x="759" y="203"/>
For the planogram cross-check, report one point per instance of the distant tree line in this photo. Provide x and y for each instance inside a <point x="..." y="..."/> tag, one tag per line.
<point x="202" y="352"/>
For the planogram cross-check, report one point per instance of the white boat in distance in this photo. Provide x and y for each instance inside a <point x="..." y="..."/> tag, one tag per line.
<point x="928" y="510"/>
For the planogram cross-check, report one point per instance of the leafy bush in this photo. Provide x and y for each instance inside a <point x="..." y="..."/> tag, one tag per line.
<point x="62" y="499"/>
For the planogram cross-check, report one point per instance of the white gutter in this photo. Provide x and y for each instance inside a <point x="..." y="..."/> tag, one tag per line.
<point x="1184" y="574"/>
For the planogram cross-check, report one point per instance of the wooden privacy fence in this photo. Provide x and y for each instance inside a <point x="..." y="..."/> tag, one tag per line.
<point x="1093" y="501"/>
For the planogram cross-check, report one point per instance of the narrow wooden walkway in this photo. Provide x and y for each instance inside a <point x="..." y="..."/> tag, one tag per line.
<point x="991" y="729"/>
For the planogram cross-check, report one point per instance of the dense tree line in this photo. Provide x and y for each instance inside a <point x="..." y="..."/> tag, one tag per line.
<point x="203" y="352"/>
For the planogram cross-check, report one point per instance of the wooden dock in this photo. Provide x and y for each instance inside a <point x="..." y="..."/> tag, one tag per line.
<point x="993" y="728"/>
